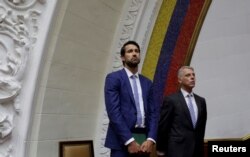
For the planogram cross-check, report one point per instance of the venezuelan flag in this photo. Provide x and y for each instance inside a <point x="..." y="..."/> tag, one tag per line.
<point x="172" y="42"/>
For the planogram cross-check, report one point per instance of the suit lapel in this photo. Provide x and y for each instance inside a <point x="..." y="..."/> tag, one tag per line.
<point x="198" y="108"/>
<point x="127" y="84"/>
<point x="143" y="90"/>
<point x="186" y="110"/>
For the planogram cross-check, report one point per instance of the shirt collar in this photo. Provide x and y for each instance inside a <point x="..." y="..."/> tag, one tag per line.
<point x="129" y="73"/>
<point x="185" y="93"/>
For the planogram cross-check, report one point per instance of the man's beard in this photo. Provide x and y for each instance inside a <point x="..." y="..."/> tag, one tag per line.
<point x="132" y="64"/>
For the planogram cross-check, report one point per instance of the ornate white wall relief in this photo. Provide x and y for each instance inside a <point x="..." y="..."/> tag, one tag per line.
<point x="18" y="30"/>
<point x="128" y="28"/>
<point x="23" y="4"/>
<point x="134" y="26"/>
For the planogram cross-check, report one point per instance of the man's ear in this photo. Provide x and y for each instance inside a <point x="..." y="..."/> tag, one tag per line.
<point x="179" y="81"/>
<point x="122" y="58"/>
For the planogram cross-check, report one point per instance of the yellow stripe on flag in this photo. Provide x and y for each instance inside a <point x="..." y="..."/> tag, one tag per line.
<point x="157" y="38"/>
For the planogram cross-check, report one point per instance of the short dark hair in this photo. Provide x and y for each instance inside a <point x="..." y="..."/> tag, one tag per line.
<point x="127" y="43"/>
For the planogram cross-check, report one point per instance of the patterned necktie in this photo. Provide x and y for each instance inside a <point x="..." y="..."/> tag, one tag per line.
<point x="137" y="104"/>
<point x="191" y="110"/>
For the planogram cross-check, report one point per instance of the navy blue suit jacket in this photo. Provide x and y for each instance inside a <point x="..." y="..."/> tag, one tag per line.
<point x="121" y="109"/>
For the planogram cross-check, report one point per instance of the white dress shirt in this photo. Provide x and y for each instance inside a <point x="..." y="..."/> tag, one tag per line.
<point x="185" y="94"/>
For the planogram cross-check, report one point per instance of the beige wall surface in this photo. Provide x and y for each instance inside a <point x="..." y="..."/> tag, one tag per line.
<point x="221" y="60"/>
<point x="73" y="73"/>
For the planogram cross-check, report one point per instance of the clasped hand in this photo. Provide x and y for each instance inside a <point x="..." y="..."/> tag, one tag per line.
<point x="145" y="147"/>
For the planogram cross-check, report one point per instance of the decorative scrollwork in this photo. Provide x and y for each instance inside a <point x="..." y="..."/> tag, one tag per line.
<point x="17" y="36"/>
<point x="8" y="152"/>
<point x="22" y="4"/>
<point x="5" y="127"/>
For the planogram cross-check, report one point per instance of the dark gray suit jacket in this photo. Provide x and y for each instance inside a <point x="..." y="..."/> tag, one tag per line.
<point x="176" y="135"/>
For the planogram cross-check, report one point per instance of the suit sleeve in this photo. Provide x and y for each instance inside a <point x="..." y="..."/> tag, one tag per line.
<point x="165" y="122"/>
<point x="112" y="102"/>
<point x="153" y="115"/>
<point x="204" y="117"/>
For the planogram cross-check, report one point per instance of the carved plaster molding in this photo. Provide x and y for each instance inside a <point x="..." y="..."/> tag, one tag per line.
<point x="8" y="152"/>
<point x="18" y="34"/>
<point x="128" y="30"/>
<point x="23" y="4"/>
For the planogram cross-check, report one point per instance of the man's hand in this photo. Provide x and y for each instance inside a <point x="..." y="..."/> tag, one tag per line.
<point x="147" y="146"/>
<point x="133" y="147"/>
<point x="160" y="154"/>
